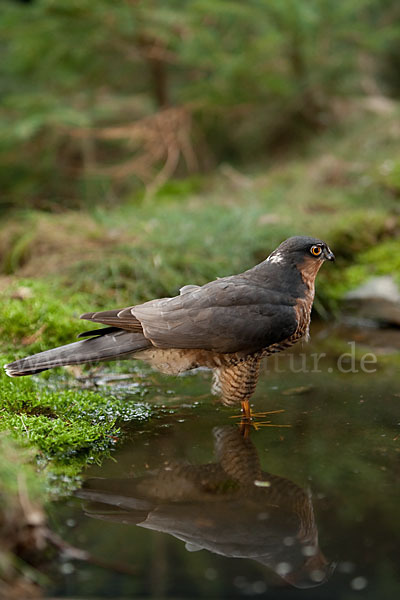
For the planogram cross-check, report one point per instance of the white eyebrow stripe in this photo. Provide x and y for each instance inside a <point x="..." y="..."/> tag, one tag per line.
<point x="275" y="258"/>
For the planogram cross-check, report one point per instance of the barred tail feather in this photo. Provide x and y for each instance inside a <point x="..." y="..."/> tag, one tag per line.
<point x="106" y="347"/>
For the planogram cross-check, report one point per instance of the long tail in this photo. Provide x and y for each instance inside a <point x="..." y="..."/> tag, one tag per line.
<point x="103" y="347"/>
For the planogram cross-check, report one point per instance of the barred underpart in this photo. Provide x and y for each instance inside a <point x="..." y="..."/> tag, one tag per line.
<point x="237" y="382"/>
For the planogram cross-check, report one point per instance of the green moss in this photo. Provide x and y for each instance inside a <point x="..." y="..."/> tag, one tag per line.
<point x="38" y="314"/>
<point x="67" y="428"/>
<point x="383" y="259"/>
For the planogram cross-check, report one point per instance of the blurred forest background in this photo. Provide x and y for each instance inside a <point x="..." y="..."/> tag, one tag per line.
<point x="144" y="144"/>
<point x="102" y="98"/>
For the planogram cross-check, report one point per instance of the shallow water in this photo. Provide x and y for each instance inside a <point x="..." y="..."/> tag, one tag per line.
<point x="305" y="505"/>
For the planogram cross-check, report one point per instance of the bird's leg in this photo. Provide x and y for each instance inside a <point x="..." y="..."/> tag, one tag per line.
<point x="246" y="410"/>
<point x="263" y="413"/>
<point x="249" y="419"/>
<point x="245" y="423"/>
<point x="237" y="382"/>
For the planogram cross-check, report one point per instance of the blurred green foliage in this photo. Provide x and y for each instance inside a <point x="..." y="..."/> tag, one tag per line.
<point x="88" y="87"/>
<point x="199" y="228"/>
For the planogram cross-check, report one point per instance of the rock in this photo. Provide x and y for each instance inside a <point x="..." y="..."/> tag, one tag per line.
<point x="377" y="287"/>
<point x="376" y="300"/>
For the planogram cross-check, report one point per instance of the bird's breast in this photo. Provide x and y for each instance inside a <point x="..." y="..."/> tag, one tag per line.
<point x="303" y="312"/>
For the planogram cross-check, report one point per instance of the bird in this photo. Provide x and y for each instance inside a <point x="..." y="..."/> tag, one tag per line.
<point x="231" y="507"/>
<point x="227" y="325"/>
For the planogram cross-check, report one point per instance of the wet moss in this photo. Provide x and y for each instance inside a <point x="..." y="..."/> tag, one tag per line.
<point x="68" y="428"/>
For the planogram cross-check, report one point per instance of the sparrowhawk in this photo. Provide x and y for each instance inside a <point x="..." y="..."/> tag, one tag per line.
<point x="227" y="325"/>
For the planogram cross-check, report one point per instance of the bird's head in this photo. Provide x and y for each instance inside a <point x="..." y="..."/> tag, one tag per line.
<point x="306" y="253"/>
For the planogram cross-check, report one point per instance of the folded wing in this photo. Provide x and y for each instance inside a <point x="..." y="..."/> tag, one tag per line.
<point x="231" y="314"/>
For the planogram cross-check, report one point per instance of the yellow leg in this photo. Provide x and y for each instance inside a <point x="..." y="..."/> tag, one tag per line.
<point x="245" y="422"/>
<point x="247" y="419"/>
<point x="258" y="414"/>
<point x="246" y="410"/>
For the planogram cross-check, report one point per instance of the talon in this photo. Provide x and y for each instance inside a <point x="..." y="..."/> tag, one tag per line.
<point x="258" y="424"/>
<point x="259" y="414"/>
<point x="247" y="418"/>
<point x="266" y="413"/>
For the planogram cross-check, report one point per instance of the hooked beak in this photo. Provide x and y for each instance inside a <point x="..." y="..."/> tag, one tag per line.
<point x="328" y="254"/>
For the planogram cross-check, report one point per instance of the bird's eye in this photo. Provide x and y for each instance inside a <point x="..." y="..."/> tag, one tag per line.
<point x="315" y="250"/>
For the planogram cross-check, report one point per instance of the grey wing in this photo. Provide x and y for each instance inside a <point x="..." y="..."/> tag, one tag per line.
<point x="123" y="318"/>
<point x="225" y="316"/>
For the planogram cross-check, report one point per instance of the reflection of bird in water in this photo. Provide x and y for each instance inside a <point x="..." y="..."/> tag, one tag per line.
<point x="227" y="325"/>
<point x="230" y="507"/>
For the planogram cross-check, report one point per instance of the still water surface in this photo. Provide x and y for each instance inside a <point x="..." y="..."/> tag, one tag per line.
<point x="305" y="506"/>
